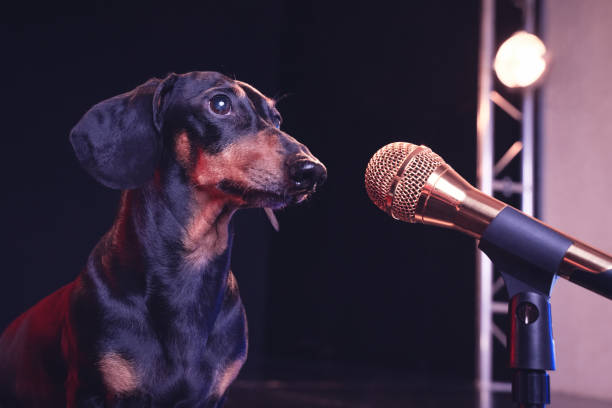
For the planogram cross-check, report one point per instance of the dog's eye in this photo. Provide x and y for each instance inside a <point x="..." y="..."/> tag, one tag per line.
<point x="220" y="104"/>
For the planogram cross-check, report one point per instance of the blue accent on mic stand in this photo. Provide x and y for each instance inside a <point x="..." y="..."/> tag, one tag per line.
<point x="529" y="255"/>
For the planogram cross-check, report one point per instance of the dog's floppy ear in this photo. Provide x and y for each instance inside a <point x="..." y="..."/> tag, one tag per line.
<point x="118" y="141"/>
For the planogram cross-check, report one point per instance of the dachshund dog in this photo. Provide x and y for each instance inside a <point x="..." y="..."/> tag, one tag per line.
<point x="155" y="317"/>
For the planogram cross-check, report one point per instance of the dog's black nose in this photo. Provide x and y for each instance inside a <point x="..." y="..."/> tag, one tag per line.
<point x="306" y="175"/>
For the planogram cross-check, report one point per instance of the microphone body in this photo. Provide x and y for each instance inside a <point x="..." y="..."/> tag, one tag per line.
<point x="414" y="184"/>
<point x="448" y="200"/>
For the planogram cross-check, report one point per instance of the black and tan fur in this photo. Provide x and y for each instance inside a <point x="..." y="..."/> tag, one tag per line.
<point x="155" y="318"/>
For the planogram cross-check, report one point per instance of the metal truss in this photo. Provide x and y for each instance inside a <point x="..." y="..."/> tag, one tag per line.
<point x="488" y="171"/>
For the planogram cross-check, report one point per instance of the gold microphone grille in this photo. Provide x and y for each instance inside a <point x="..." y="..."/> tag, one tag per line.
<point x="400" y="198"/>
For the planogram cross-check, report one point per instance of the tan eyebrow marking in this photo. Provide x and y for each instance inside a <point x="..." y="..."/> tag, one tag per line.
<point x="227" y="375"/>
<point x="255" y="91"/>
<point x="239" y="91"/>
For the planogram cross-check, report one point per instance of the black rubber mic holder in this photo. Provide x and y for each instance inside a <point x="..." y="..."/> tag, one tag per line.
<point x="529" y="255"/>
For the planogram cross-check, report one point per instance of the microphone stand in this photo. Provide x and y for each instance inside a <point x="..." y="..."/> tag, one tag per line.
<point x="529" y="255"/>
<point x="531" y="347"/>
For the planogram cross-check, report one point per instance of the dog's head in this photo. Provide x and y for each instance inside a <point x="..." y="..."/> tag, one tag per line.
<point x="223" y="134"/>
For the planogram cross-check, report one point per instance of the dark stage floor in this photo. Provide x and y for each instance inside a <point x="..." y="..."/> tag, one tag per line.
<point x="316" y="385"/>
<point x="313" y="394"/>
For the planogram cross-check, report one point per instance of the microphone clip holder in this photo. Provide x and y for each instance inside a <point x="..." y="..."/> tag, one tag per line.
<point x="531" y="348"/>
<point x="529" y="255"/>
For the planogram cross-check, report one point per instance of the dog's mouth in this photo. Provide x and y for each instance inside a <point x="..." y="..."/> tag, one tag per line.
<point x="256" y="197"/>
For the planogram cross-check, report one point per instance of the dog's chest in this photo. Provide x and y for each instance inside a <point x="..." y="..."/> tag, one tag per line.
<point x="184" y="361"/>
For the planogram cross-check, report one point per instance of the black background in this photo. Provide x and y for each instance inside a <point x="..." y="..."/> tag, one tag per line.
<point x="342" y="283"/>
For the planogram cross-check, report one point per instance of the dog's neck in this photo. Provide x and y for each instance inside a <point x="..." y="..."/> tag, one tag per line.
<point x="170" y="241"/>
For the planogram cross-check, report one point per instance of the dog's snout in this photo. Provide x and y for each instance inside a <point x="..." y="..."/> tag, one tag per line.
<point x="306" y="175"/>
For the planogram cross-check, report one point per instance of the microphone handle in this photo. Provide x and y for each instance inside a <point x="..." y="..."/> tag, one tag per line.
<point x="535" y="253"/>
<point x="448" y="200"/>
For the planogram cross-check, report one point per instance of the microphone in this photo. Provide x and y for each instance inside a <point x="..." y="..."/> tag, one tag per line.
<point x="413" y="184"/>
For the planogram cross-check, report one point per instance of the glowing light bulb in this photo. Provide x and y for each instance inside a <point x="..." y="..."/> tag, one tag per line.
<point x="521" y="60"/>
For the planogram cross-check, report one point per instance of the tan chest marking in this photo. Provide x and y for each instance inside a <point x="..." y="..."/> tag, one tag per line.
<point x="118" y="374"/>
<point x="227" y="375"/>
<point x="232" y="285"/>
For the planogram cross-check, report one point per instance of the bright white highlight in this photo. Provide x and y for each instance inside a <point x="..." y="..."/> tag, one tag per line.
<point x="521" y="60"/>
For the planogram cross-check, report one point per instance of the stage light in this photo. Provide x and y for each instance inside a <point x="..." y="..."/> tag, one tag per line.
<point x="521" y="60"/>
